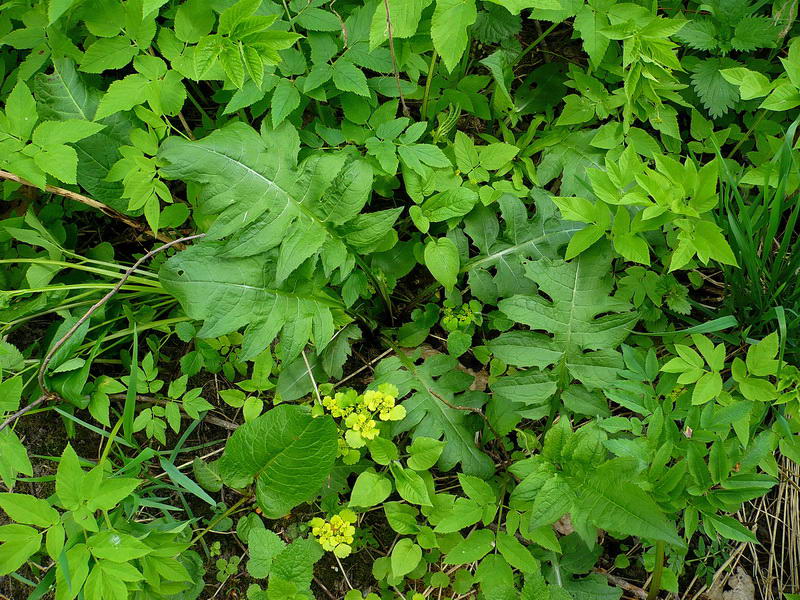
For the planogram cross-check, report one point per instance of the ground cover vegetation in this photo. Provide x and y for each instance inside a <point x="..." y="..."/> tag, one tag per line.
<point x="382" y="299"/>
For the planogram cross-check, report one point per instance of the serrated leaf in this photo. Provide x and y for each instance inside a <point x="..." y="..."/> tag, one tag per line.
<point x="611" y="501"/>
<point x="581" y="343"/>
<point x="717" y="94"/>
<point x="449" y="29"/>
<point x="349" y="78"/>
<point x="428" y="415"/>
<point x="288" y="452"/>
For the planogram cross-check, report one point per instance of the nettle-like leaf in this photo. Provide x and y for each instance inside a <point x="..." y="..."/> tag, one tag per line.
<point x="584" y="324"/>
<point x="717" y="94"/>
<point x="307" y="217"/>
<point x="286" y="451"/>
<point x="498" y="271"/>
<point x="435" y="383"/>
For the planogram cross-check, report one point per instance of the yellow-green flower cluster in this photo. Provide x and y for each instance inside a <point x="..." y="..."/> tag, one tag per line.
<point x="360" y="414"/>
<point x="337" y="534"/>
<point x="460" y="318"/>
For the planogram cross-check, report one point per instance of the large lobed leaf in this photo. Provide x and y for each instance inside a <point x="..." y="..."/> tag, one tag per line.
<point x="287" y="452"/>
<point x="584" y="324"/>
<point x="229" y="293"/>
<point x="499" y="271"/>
<point x="281" y="233"/>
<point x="265" y="200"/>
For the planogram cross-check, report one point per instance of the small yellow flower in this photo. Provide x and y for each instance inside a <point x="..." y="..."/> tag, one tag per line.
<point x="336" y="535"/>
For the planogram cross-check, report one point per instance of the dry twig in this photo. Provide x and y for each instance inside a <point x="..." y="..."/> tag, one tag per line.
<point x="107" y="210"/>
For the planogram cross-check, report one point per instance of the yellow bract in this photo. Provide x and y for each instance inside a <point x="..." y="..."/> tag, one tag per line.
<point x="360" y="411"/>
<point x="337" y="534"/>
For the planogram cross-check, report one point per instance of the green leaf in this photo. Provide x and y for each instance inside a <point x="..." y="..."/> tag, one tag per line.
<point x="494" y="156"/>
<point x="730" y="528"/>
<point x="370" y="489"/>
<point x="10" y="393"/>
<point x="452" y="203"/>
<point x="405" y="557"/>
<point x="424" y="452"/>
<point x="476" y="545"/>
<point x="20" y="542"/>
<point x="63" y="132"/>
<point x="610" y="500"/>
<point x="26" y="509"/>
<point x="108" y="53"/>
<point x="56" y="8"/>
<point x="21" y="111"/>
<point x="429" y="416"/>
<point x="285" y="98"/>
<point x="349" y="78"/>
<point x="716" y="93"/>
<point x="263" y="545"/>
<point x="112" y="492"/>
<point x="449" y="25"/>
<point x="69" y="480"/>
<point x="405" y="16"/>
<point x="441" y="258"/>
<point x="581" y="343"/>
<point x="517" y="555"/>
<point x="410" y="485"/>
<point x="117" y="546"/>
<point x="288" y="453"/>
<point x="589" y="22"/>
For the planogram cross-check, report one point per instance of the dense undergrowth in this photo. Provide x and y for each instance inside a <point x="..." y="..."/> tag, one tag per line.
<point x="489" y="299"/>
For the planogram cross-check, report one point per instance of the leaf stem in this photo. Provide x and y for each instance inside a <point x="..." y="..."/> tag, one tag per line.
<point x="219" y="518"/>
<point x="428" y="81"/>
<point x="658" y="571"/>
<point x="533" y="44"/>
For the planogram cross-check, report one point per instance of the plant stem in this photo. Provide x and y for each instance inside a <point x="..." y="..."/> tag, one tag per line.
<point x="658" y="571"/>
<point x="534" y="43"/>
<point x="227" y="513"/>
<point x="431" y="69"/>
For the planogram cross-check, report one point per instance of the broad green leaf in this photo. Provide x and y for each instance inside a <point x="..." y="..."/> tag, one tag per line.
<point x="581" y="343"/>
<point x="441" y="258"/>
<point x="370" y="489"/>
<point x="287" y="452"/>
<point x="263" y="546"/>
<point x="285" y="98"/>
<point x="449" y="25"/>
<point x="405" y="16"/>
<point x="424" y="452"/>
<point x="429" y="416"/>
<point x="20" y="542"/>
<point x="117" y="546"/>
<point x="610" y="500"/>
<point x="108" y="53"/>
<point x="20" y="109"/>
<point x="410" y="485"/>
<point x="69" y="479"/>
<point x="349" y="78"/>
<point x="498" y="271"/>
<point x="56" y="8"/>
<point x="29" y="510"/>
<point x="405" y="557"/>
<point x="476" y="545"/>
<point x="517" y="555"/>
